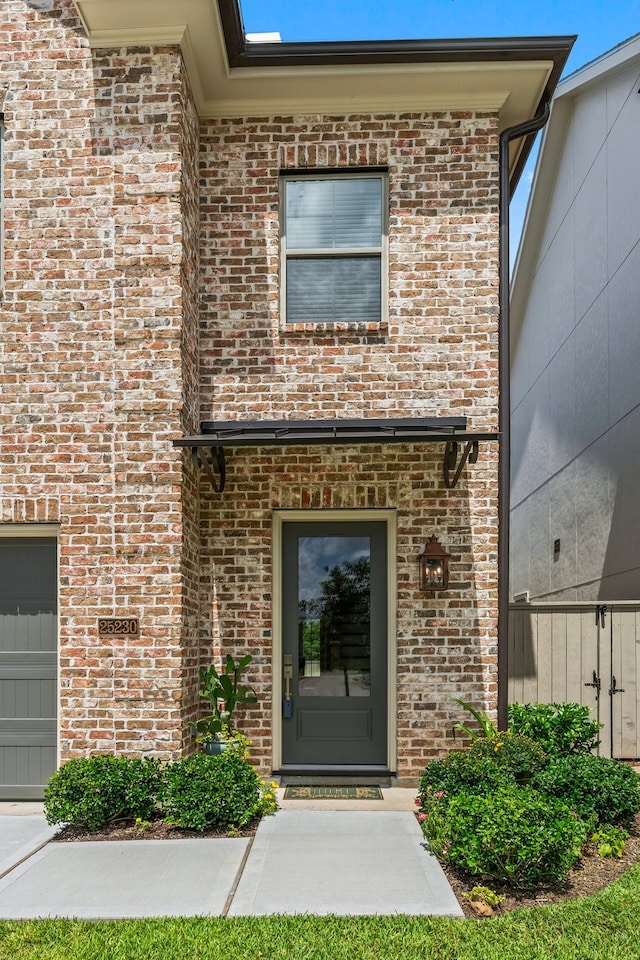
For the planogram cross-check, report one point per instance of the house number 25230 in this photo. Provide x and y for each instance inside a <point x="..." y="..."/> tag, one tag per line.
<point x="118" y="627"/>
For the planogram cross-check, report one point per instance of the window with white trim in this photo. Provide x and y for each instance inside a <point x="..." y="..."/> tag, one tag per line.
<point x="333" y="230"/>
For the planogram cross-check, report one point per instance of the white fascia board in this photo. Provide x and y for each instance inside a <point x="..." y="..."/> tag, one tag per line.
<point x="619" y="58"/>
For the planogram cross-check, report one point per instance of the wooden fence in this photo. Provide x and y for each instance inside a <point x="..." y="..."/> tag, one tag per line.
<point x="587" y="653"/>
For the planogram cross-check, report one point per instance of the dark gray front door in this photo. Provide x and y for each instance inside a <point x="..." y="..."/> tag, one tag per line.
<point x="335" y="641"/>
<point x="28" y="645"/>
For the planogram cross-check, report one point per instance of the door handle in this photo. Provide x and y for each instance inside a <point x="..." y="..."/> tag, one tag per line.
<point x="287" y="676"/>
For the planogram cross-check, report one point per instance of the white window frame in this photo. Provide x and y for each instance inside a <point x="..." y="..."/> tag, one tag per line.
<point x="330" y="252"/>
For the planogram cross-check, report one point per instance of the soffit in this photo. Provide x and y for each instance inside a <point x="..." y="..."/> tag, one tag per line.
<point x="232" y="78"/>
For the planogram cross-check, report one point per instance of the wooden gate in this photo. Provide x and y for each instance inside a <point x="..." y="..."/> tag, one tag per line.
<point x="584" y="653"/>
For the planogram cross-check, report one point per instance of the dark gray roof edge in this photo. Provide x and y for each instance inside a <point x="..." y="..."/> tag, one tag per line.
<point x="500" y="50"/>
<point x="477" y="49"/>
<point x="240" y="53"/>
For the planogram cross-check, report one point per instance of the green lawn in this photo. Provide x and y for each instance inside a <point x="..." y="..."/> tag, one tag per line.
<point x="603" y="927"/>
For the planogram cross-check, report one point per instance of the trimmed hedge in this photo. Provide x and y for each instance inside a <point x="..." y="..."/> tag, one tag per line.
<point x="595" y="787"/>
<point x="463" y="772"/>
<point x="515" y="834"/>
<point x="93" y="791"/>
<point x="195" y="793"/>
<point x="506" y="808"/>
<point x="204" y="791"/>
<point x="518" y="756"/>
<point x="559" y="728"/>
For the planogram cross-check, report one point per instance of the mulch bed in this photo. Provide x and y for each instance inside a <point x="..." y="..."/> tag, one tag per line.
<point x="156" y="830"/>
<point x="592" y="873"/>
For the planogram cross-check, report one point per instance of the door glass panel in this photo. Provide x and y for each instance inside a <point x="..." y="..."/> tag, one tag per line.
<point x="334" y="608"/>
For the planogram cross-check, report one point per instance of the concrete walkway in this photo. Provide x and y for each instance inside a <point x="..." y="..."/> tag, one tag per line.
<point x="327" y="857"/>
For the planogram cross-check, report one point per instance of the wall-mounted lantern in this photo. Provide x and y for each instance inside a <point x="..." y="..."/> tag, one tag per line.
<point x="434" y="566"/>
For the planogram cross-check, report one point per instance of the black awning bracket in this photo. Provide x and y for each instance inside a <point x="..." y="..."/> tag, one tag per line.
<point x="211" y="460"/>
<point x="450" y="459"/>
<point x="208" y="447"/>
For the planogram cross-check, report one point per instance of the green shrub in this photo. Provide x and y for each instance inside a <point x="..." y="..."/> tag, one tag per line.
<point x="462" y="772"/>
<point x="92" y="791"/>
<point x="559" y="728"/>
<point x="610" y="841"/>
<point x="514" y="835"/>
<point x="520" y="756"/>
<point x="596" y="787"/>
<point x="484" y="895"/>
<point x="486" y="726"/>
<point x="203" y="791"/>
<point x="434" y="821"/>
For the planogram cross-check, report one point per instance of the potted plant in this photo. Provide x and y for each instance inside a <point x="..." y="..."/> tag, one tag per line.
<point x="224" y="691"/>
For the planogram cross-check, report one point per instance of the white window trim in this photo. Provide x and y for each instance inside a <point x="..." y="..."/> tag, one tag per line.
<point x="383" y="249"/>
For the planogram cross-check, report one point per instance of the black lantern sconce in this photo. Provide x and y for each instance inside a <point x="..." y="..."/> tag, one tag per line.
<point x="434" y="566"/>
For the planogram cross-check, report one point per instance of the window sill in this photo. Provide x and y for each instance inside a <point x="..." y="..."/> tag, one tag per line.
<point x="378" y="328"/>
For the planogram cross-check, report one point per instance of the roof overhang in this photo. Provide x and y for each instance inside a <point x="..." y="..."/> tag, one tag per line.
<point x="208" y="447"/>
<point x="231" y="76"/>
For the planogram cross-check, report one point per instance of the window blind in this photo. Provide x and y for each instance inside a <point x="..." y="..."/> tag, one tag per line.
<point x="333" y="242"/>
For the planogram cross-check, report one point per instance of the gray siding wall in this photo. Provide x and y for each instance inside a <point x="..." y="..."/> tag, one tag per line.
<point x="575" y="377"/>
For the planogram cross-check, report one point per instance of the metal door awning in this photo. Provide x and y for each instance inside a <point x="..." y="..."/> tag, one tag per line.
<point x="208" y="447"/>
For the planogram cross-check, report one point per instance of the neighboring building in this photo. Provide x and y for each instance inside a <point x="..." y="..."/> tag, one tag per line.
<point x="575" y="337"/>
<point x="202" y="238"/>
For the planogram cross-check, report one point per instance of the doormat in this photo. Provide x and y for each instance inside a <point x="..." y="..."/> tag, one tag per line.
<point x="332" y="793"/>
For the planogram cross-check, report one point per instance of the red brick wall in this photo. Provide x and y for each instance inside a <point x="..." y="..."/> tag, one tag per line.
<point x="436" y="356"/>
<point x="99" y="339"/>
<point x="127" y="221"/>
<point x="446" y="643"/>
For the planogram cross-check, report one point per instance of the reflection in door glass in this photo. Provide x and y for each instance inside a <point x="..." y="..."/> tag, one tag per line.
<point x="334" y="604"/>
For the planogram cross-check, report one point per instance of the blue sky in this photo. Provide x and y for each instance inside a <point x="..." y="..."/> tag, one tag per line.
<point x="599" y="24"/>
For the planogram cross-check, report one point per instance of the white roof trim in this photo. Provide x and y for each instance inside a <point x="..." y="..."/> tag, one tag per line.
<point x="513" y="88"/>
<point x="613" y="59"/>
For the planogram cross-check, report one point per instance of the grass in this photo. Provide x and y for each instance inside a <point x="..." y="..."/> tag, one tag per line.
<point x="602" y="927"/>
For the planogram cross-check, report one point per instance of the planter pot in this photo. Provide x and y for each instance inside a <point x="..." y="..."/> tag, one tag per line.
<point x="214" y="747"/>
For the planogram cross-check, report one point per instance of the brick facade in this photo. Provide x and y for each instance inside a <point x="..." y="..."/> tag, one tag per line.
<point x="436" y="356"/>
<point x="100" y="358"/>
<point x="128" y="223"/>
